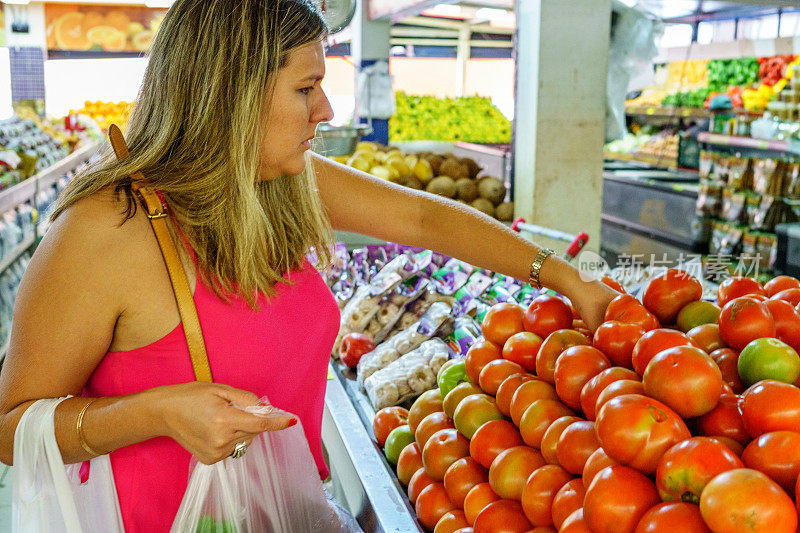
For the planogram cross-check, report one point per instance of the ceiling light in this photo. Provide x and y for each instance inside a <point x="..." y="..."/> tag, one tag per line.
<point x="159" y="3"/>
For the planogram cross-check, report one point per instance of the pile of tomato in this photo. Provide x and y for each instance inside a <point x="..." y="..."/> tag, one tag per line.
<point x="676" y="415"/>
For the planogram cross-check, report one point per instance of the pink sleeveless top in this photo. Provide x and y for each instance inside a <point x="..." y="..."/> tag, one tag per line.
<point x="280" y="351"/>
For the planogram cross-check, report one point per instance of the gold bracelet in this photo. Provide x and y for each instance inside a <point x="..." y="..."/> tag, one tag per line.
<point x="79" y="428"/>
<point x="536" y="266"/>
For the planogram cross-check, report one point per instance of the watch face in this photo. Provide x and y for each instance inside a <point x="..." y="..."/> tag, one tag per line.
<point x="338" y="13"/>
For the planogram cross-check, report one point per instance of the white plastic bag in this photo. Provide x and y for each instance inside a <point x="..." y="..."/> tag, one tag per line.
<point x="48" y="496"/>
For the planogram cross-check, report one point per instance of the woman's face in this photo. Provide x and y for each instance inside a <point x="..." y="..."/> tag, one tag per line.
<point x="298" y="105"/>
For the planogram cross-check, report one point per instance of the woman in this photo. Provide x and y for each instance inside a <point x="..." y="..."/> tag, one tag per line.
<point x="229" y="103"/>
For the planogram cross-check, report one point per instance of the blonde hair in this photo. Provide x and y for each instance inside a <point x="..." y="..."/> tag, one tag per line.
<point x="195" y="132"/>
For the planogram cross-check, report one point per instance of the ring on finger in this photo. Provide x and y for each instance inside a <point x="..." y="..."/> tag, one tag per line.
<point x="239" y="450"/>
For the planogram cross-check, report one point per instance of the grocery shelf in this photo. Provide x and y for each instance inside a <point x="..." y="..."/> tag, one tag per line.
<point x="16" y="253"/>
<point x="661" y="162"/>
<point x="749" y="142"/>
<point x="682" y="112"/>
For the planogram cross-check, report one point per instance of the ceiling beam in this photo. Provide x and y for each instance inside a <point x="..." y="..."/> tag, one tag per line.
<point x="403" y="41"/>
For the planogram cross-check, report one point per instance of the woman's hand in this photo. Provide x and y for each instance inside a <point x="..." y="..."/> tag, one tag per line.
<point x="201" y="418"/>
<point x="591" y="302"/>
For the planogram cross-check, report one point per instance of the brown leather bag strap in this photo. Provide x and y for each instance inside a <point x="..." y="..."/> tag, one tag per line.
<point x="157" y="213"/>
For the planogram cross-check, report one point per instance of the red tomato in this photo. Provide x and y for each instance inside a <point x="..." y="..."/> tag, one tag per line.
<point x="511" y="469"/>
<point x="386" y="420"/>
<point x="684" y="378"/>
<point x="546" y="314"/>
<point x="575" y="523"/>
<point x="654" y="342"/>
<point x="353" y="346"/>
<point x="444" y="448"/>
<point x="780" y="283"/>
<point x="686" y="468"/>
<point x="567" y="500"/>
<point x="538" y="417"/>
<point x="734" y="446"/>
<point x="728" y="363"/>
<point x="477" y="498"/>
<point x="552" y="347"/>
<point x="551" y="436"/>
<point x="673" y="516"/>
<point x="617" y="388"/>
<point x="776" y="454"/>
<point x="626" y="308"/>
<point x="495" y="372"/>
<point x="617" y="499"/>
<point x="665" y="295"/>
<point x="507" y="389"/>
<point x="522" y="348"/>
<point x="574" y="368"/>
<point x="733" y="288"/>
<point x="428" y="402"/>
<point x="791" y="296"/>
<point x="432" y="504"/>
<point x="743" y="320"/>
<point x="526" y="394"/>
<point x="597" y="384"/>
<point x="491" y="439"/>
<point x="409" y="462"/>
<point x="706" y="337"/>
<point x="725" y="420"/>
<point x="611" y="282"/>
<point x="539" y="492"/>
<point x="502" y="516"/>
<point x="419" y="481"/>
<point x="747" y="500"/>
<point x="636" y="430"/>
<point x="451" y="522"/>
<point x="473" y="412"/>
<point x="576" y="444"/>
<point x="478" y="355"/>
<point x="596" y="462"/>
<point x="770" y="405"/>
<point x="787" y="322"/>
<point x="501" y="322"/>
<point x="430" y="425"/>
<point x="461" y="477"/>
<point x="616" y="340"/>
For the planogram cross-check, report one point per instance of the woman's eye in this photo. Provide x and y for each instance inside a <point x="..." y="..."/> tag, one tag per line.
<point x="306" y="90"/>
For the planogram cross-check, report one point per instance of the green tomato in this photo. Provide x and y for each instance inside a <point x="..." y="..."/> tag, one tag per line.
<point x="768" y="358"/>
<point x="697" y="313"/>
<point x="451" y="376"/>
<point x="399" y="438"/>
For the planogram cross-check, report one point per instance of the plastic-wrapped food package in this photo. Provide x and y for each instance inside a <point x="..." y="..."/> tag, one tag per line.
<point x="404" y="342"/>
<point x="451" y="277"/>
<point x="364" y="304"/>
<point x="465" y="333"/>
<point x="409" y="376"/>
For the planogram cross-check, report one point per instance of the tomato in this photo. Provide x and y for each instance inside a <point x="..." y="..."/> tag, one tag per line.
<point x="732" y="445"/>
<point x="696" y="314"/>
<point x="684" y="378"/>
<point x="725" y="420"/>
<point x="539" y="492"/>
<point x="617" y="499"/>
<point x="743" y="320"/>
<point x="611" y="282"/>
<point x="574" y="368"/>
<point x="432" y="504"/>
<point x="685" y="469"/>
<point x="575" y="523"/>
<point x="595" y="386"/>
<point x="568" y="499"/>
<point x="473" y="412"/>
<point x="495" y="372"/>
<point x="747" y="500"/>
<point x="780" y="283"/>
<point x="706" y="337"/>
<point x="511" y="469"/>
<point x="477" y="499"/>
<point x="386" y="420"/>
<point x="787" y="322"/>
<point x="728" y="363"/>
<point x="576" y="444"/>
<point x="430" y="425"/>
<point x="478" y="355"/>
<point x="770" y="406"/>
<point x="353" y="346"/>
<point x="776" y="454"/>
<point x="673" y="516"/>
<point x="636" y="431"/>
<point x="454" y="397"/>
<point x="665" y="295"/>
<point x="502" y="516"/>
<point x="419" y="481"/>
<point x="791" y="296"/>
<point x="491" y="439"/>
<point x="733" y="288"/>
<point x="768" y="359"/>
<point x="444" y="448"/>
<point x="501" y="322"/>
<point x="617" y="388"/>
<point x="428" y="402"/>
<point x="654" y="342"/>
<point x="507" y="389"/>
<point x="409" y="462"/>
<point x="526" y="394"/>
<point x="616" y="340"/>
<point x="552" y="347"/>
<point x="551" y="436"/>
<point x="546" y="314"/>
<point x="399" y="438"/>
<point x="538" y="417"/>
<point x="451" y="522"/>
<point x="797" y="494"/>
<point x="522" y="348"/>
<point x="596" y="462"/>
<point x="461" y="477"/>
<point x="626" y="308"/>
